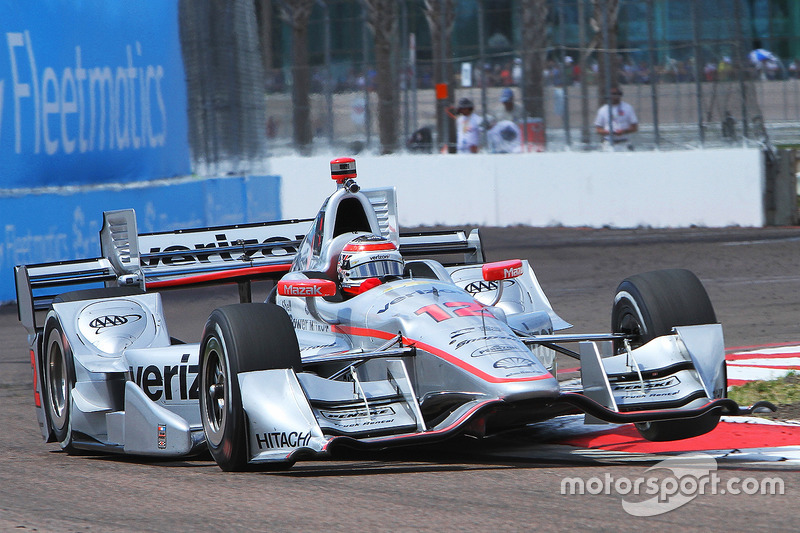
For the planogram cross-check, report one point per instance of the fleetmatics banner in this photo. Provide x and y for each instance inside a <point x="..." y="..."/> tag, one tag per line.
<point x="91" y="91"/>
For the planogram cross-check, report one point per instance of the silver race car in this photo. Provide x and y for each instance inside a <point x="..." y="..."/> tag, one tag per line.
<point x="370" y="339"/>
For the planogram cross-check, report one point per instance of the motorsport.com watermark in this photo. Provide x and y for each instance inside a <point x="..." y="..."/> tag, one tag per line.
<point x="691" y="475"/>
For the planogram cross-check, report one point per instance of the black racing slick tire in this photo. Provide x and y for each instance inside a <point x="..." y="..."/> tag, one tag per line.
<point x="649" y="305"/>
<point x="59" y="380"/>
<point x="239" y="338"/>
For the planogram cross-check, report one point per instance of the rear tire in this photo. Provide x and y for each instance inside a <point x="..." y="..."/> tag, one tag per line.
<point x="649" y="305"/>
<point x="239" y="338"/>
<point x="59" y="365"/>
<point x="59" y="380"/>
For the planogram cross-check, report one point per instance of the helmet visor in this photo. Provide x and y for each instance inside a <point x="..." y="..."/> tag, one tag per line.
<point x="376" y="269"/>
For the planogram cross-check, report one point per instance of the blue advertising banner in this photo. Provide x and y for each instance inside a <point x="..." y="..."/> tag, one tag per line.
<point x="91" y="91"/>
<point x="64" y="225"/>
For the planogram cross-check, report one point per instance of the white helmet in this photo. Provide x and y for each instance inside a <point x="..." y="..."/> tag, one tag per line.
<point x="368" y="256"/>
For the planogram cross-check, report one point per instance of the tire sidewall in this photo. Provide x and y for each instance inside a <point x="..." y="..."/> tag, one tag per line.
<point x="54" y="339"/>
<point x="226" y="444"/>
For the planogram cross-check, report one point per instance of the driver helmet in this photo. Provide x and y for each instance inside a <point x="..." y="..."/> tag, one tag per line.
<point x="368" y="256"/>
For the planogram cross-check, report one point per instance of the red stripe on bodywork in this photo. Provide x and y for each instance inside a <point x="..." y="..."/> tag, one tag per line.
<point x="450" y="358"/>
<point x="37" y="400"/>
<point x="218" y="276"/>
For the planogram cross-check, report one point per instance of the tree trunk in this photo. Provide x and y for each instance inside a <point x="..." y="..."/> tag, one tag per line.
<point x="441" y="15"/>
<point x="381" y="18"/>
<point x="534" y="49"/>
<point x="297" y="16"/>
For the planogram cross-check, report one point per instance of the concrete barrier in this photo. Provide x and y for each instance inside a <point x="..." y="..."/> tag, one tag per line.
<point x="711" y="188"/>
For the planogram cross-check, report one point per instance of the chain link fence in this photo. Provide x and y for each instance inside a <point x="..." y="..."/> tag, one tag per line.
<point x="699" y="74"/>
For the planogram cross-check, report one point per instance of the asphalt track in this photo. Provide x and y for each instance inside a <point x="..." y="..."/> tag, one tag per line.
<point x="513" y="483"/>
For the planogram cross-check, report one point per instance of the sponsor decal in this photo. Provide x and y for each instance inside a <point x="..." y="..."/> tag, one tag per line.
<point x="306" y="324"/>
<point x="168" y="382"/>
<point x="110" y="321"/>
<point x="360" y="418"/>
<point x="493" y="350"/>
<point x="665" y="383"/>
<point x="512" y="272"/>
<point x="477" y="287"/>
<point x="464" y="342"/>
<point x="513" y="362"/>
<point x="357" y="413"/>
<point x="302" y="290"/>
<point x="202" y="253"/>
<point x="162" y="436"/>
<point x="432" y="290"/>
<point x="464" y="331"/>
<point x="282" y="439"/>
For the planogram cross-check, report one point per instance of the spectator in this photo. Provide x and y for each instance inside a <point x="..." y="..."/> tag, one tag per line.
<point x="505" y="136"/>
<point x="468" y="127"/>
<point x="623" y="121"/>
<point x="508" y="111"/>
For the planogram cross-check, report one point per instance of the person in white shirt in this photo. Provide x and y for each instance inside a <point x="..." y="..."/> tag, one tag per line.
<point x="468" y="128"/>
<point x="623" y="121"/>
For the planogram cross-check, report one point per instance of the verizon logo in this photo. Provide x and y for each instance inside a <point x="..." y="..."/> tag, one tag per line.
<point x="221" y="249"/>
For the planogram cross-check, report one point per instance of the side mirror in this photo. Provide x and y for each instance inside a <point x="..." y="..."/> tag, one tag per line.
<point x="309" y="289"/>
<point x="306" y="287"/>
<point x="499" y="271"/>
<point x="502" y="270"/>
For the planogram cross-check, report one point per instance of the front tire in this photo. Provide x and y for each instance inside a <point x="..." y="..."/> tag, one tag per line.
<point x="649" y="305"/>
<point x="239" y="338"/>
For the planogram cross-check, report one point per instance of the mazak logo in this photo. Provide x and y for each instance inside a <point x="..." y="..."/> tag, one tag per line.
<point x="222" y="248"/>
<point x="512" y="272"/>
<point x="302" y="290"/>
<point x="109" y="321"/>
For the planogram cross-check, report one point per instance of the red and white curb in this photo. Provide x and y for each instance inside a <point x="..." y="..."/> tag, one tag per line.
<point x="761" y="363"/>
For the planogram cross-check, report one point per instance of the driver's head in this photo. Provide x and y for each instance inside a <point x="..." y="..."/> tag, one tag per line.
<point x="365" y="257"/>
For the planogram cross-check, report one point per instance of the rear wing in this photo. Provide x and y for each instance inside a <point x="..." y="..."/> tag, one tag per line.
<point x="154" y="261"/>
<point x="224" y="254"/>
<point x="462" y="248"/>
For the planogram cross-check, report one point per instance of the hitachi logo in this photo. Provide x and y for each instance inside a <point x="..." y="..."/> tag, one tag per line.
<point x="294" y="439"/>
<point x="202" y="253"/>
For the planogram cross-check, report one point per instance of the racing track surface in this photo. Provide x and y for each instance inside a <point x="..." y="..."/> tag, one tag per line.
<point x="509" y="484"/>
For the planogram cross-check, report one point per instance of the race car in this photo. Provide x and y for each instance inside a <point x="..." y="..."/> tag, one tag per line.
<point x="370" y="339"/>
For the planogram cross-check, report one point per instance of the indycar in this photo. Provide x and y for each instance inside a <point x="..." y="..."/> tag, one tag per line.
<point x="442" y="344"/>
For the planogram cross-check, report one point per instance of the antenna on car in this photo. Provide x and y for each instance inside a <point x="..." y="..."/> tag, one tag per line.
<point x="343" y="171"/>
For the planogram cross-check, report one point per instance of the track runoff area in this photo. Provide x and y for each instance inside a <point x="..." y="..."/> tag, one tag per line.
<point x="752" y="440"/>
